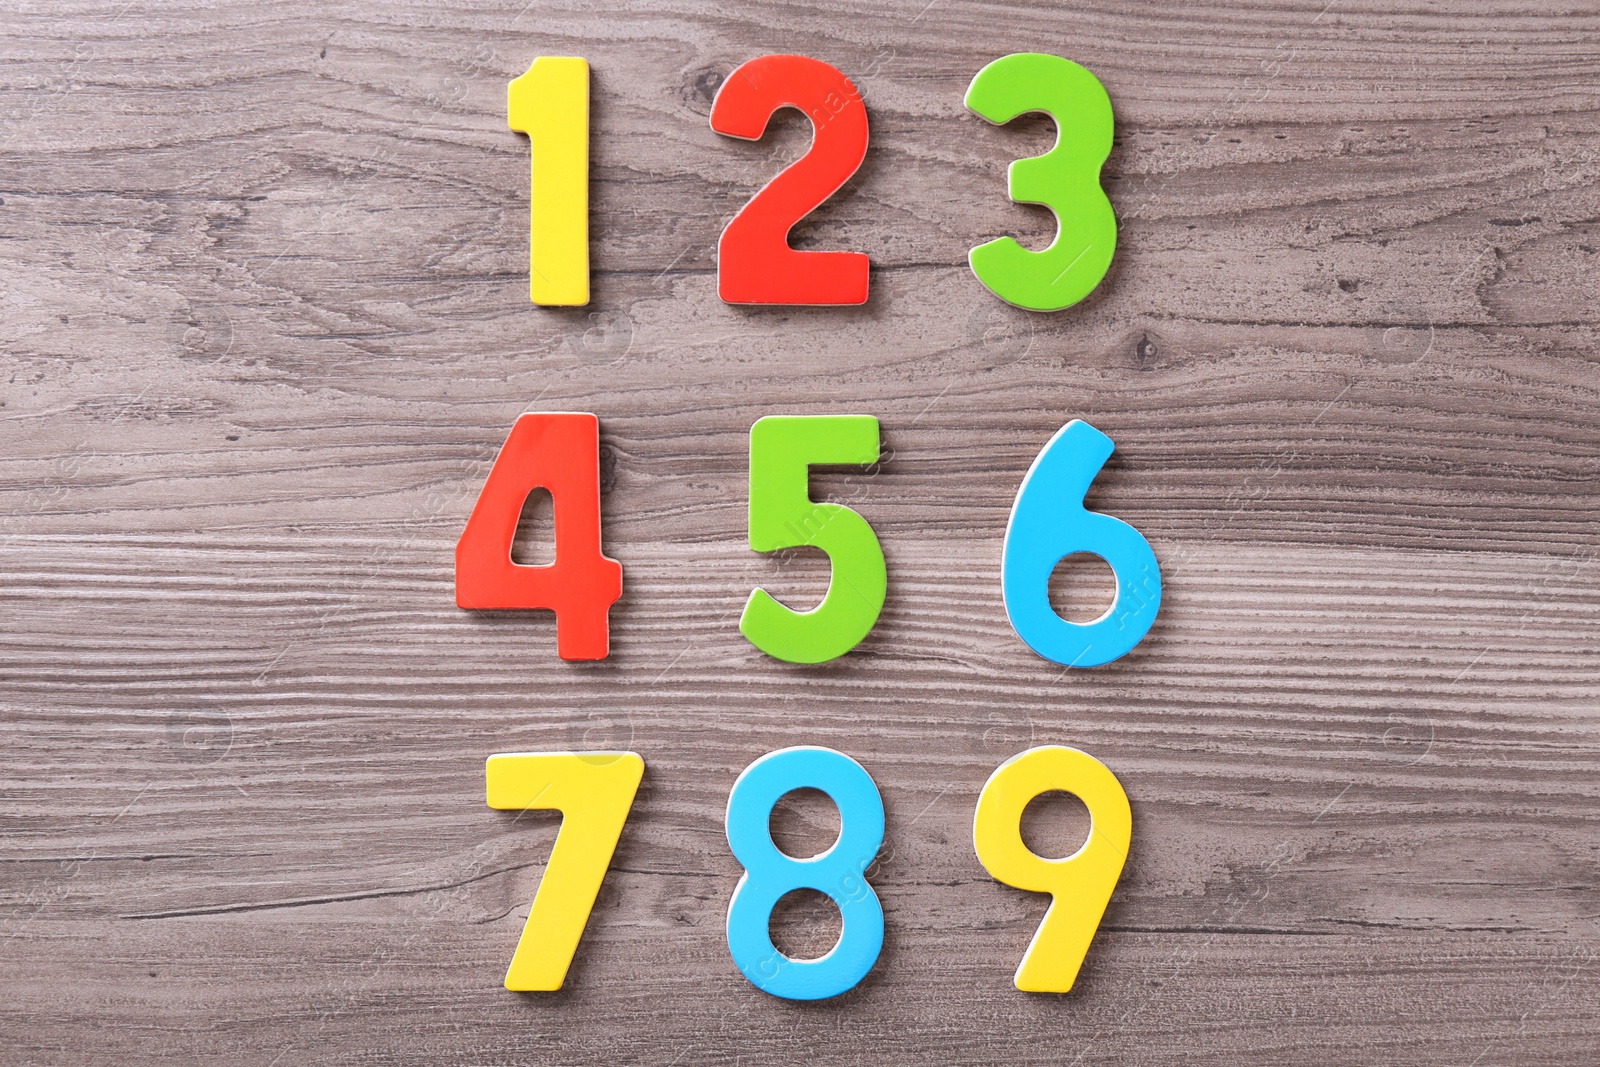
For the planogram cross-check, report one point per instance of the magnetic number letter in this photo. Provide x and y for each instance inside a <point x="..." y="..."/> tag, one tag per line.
<point x="782" y="515"/>
<point x="550" y="103"/>
<point x="559" y="452"/>
<point x="1065" y="179"/>
<point x="1080" y="885"/>
<point x="1049" y="523"/>
<point x="594" y="793"/>
<point x="769" y="874"/>
<point x="755" y="264"/>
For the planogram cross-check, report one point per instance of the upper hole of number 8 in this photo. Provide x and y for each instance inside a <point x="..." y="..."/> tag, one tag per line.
<point x="1083" y="588"/>
<point x="804" y="823"/>
<point x="1055" y="824"/>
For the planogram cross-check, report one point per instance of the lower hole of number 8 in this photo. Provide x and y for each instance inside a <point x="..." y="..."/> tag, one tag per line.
<point x="771" y="875"/>
<point x="805" y="925"/>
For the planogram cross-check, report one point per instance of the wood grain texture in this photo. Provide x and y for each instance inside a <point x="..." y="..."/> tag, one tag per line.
<point x="264" y="322"/>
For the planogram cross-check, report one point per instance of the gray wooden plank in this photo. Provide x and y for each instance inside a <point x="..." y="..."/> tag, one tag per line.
<point x="265" y="325"/>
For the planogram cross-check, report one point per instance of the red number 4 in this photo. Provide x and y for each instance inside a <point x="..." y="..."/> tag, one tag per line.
<point x="559" y="452"/>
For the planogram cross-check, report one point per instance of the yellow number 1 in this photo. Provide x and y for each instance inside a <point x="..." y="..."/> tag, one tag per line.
<point x="1080" y="885"/>
<point x="594" y="792"/>
<point x="550" y="103"/>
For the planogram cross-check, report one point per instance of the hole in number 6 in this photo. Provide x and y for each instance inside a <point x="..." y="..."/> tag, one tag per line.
<point x="1080" y="885"/>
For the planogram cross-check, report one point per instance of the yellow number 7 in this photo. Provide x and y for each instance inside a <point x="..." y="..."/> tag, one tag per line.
<point x="1080" y="885"/>
<point x="594" y="792"/>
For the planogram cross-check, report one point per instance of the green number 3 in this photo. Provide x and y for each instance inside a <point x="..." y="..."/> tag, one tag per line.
<point x="783" y="448"/>
<point x="1065" y="179"/>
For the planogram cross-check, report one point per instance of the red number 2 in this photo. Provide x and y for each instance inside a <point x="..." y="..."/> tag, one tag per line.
<point x="559" y="452"/>
<point x="755" y="264"/>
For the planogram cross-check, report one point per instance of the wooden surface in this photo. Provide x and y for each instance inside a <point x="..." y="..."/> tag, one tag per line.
<point x="264" y="321"/>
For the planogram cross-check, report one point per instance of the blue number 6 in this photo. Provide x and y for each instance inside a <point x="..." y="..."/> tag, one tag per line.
<point x="838" y="872"/>
<point x="1049" y="523"/>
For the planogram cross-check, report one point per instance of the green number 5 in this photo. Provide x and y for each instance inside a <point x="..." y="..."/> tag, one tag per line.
<point x="783" y="448"/>
<point x="1065" y="179"/>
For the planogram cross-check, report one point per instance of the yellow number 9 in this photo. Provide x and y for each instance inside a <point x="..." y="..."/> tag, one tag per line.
<point x="1080" y="885"/>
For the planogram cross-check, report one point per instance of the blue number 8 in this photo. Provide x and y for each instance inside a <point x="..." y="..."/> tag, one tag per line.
<point x="838" y="872"/>
<point x="1049" y="523"/>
